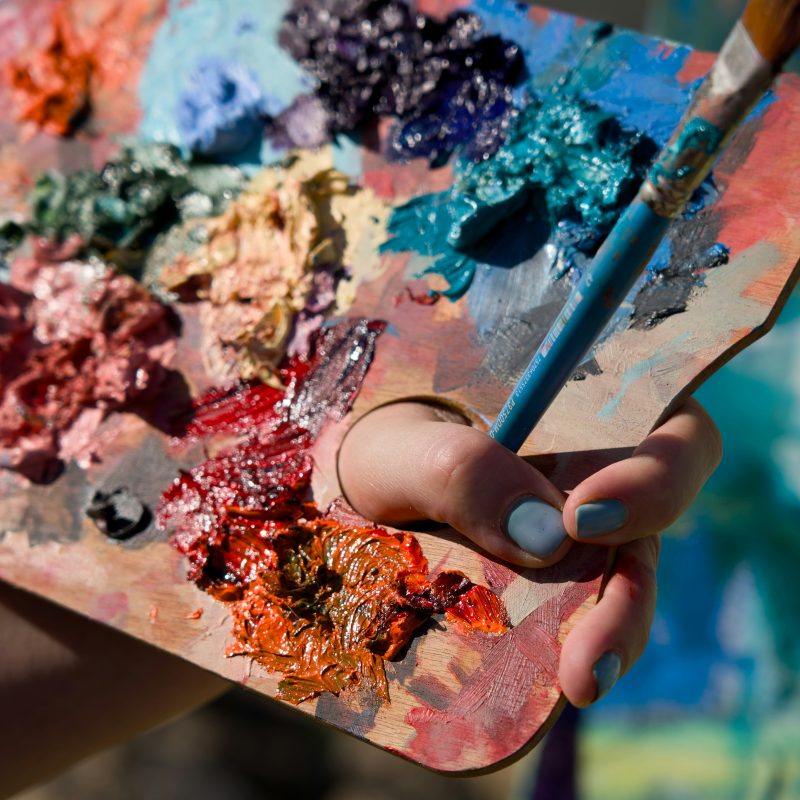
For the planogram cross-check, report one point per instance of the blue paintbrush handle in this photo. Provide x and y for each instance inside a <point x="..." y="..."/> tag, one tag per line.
<point x="618" y="264"/>
<point x="737" y="81"/>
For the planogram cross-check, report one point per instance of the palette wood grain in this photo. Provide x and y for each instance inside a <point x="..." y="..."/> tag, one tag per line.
<point x="460" y="701"/>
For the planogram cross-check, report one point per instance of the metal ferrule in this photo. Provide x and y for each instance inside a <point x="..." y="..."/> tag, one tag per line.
<point x="734" y="86"/>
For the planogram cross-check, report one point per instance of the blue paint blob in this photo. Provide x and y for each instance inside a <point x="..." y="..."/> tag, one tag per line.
<point x="222" y="108"/>
<point x="546" y="48"/>
<point x="206" y="29"/>
<point x="635" y="78"/>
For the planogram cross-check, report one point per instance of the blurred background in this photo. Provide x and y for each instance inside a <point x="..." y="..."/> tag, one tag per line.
<point x="711" y="711"/>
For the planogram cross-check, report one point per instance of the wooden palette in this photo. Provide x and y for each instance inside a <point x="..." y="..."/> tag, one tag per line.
<point x="460" y="701"/>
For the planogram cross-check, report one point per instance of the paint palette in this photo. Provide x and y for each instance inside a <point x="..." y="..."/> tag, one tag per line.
<point x="459" y="700"/>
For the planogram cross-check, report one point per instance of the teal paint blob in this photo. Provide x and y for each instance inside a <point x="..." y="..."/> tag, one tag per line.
<point x="566" y="161"/>
<point x="698" y="136"/>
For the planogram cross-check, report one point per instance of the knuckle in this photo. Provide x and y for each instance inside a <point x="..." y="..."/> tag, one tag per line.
<point x="636" y="568"/>
<point x="709" y="434"/>
<point x="449" y="467"/>
<point x="713" y="438"/>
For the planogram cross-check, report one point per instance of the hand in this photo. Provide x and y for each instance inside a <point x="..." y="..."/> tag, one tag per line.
<point x="443" y="470"/>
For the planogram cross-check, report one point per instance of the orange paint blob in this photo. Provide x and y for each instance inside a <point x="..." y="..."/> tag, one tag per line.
<point x="51" y="85"/>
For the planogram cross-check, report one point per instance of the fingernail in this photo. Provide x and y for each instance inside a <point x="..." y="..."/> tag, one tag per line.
<point x="606" y="673"/>
<point x="593" y="520"/>
<point x="536" y="527"/>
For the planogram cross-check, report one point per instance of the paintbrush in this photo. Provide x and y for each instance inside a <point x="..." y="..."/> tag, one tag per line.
<point x="765" y="36"/>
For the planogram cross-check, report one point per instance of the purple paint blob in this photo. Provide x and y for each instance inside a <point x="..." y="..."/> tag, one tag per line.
<point x="304" y="124"/>
<point x="446" y="83"/>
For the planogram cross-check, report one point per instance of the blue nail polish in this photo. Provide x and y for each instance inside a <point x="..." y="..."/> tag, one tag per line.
<point x="606" y="673"/>
<point x="536" y="527"/>
<point x="593" y="520"/>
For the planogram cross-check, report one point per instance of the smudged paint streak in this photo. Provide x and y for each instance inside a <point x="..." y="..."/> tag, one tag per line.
<point x="320" y="597"/>
<point x="484" y="703"/>
<point x="640" y="370"/>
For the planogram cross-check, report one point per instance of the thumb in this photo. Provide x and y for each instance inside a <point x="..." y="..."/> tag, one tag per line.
<point x="408" y="462"/>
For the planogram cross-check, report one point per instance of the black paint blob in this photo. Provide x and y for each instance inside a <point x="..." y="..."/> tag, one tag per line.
<point x="669" y="291"/>
<point x="119" y="514"/>
<point x="447" y="84"/>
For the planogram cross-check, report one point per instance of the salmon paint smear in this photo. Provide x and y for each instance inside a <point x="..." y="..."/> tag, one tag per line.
<point x="321" y="596"/>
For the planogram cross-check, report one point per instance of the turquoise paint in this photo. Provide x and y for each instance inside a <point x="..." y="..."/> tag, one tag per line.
<point x="563" y="155"/>
<point x="699" y="135"/>
<point x="638" y="371"/>
<point x="208" y="29"/>
<point x="565" y="160"/>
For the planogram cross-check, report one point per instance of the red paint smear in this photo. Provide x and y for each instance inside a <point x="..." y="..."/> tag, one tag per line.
<point x="321" y="597"/>
<point x="750" y="211"/>
<point x="517" y="680"/>
<point x="50" y="87"/>
<point x="481" y="609"/>
<point x="439" y="9"/>
<point x="696" y="66"/>
<point x="234" y="410"/>
<point x="424" y="297"/>
<point x="111" y="607"/>
<point x="390" y="180"/>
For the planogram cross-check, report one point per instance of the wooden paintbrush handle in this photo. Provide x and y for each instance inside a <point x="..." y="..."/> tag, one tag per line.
<point x="774" y="27"/>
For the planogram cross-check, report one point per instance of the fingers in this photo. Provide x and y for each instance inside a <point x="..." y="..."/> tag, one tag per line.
<point x="404" y="463"/>
<point x="613" y="635"/>
<point x="646" y="493"/>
